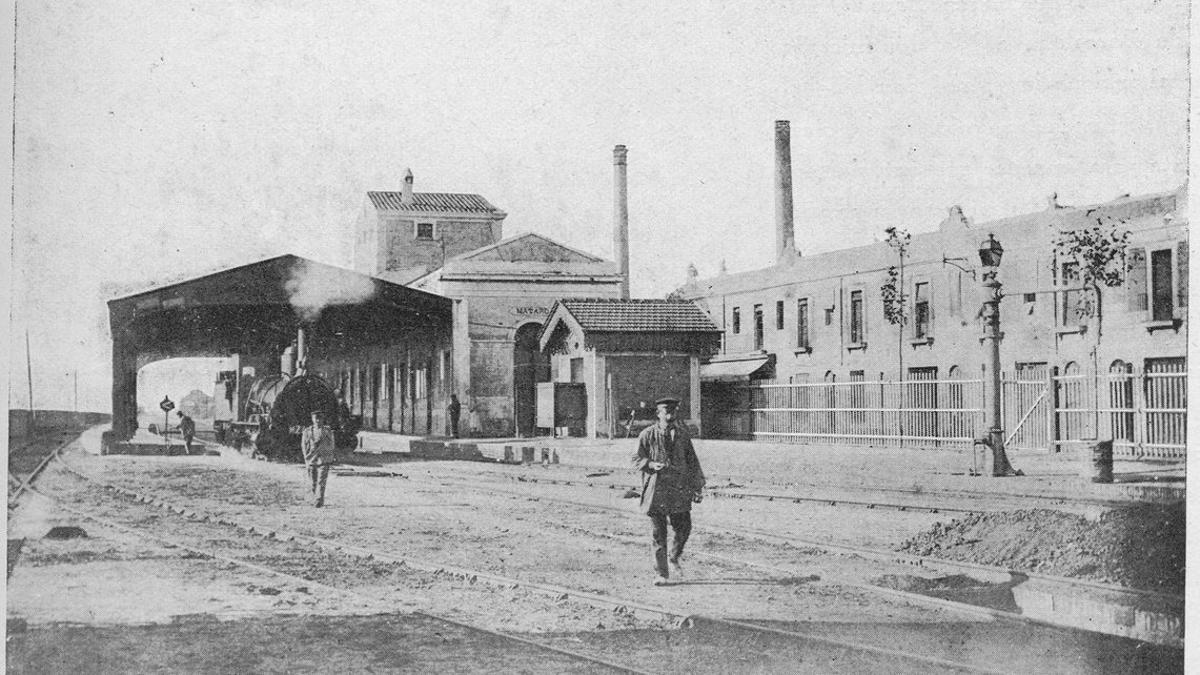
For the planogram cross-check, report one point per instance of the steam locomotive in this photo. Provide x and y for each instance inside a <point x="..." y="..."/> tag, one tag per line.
<point x="277" y="409"/>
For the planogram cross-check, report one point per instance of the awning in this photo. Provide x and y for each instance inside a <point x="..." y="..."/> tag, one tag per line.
<point x="731" y="371"/>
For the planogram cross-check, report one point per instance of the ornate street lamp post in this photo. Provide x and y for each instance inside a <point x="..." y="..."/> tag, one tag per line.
<point x="990" y="253"/>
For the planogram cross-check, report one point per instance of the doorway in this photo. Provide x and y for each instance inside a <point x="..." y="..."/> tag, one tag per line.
<point x="530" y="366"/>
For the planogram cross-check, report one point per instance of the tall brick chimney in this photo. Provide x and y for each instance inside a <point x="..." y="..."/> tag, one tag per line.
<point x="621" y="217"/>
<point x="406" y="196"/>
<point x="785" y="234"/>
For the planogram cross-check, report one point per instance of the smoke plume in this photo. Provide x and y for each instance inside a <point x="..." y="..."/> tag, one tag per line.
<point x="312" y="287"/>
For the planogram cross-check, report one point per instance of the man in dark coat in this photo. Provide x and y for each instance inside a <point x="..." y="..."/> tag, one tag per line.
<point x="187" y="429"/>
<point x="671" y="481"/>
<point x="320" y="453"/>
<point x="454" y="411"/>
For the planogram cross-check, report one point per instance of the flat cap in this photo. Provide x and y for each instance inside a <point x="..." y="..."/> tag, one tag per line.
<point x="667" y="401"/>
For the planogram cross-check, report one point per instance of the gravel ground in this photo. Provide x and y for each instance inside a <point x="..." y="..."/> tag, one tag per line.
<point x="527" y="535"/>
<point x="1140" y="546"/>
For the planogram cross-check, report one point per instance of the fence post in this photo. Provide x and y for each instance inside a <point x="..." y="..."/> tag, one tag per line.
<point x="1052" y="419"/>
<point x="1139" y="412"/>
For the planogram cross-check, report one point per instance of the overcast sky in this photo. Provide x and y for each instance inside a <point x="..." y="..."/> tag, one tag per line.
<point x="159" y="140"/>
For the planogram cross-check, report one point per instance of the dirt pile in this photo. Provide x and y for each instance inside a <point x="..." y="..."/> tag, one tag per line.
<point x="1140" y="546"/>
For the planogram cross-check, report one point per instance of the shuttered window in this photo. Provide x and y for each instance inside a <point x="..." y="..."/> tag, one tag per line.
<point x="802" y="323"/>
<point x="857" y="332"/>
<point x="922" y="312"/>
<point x="758" y="326"/>
<point x="1069" y="311"/>
<point x="1181" y="273"/>
<point x="1162" y="290"/>
<point x="1135" y="280"/>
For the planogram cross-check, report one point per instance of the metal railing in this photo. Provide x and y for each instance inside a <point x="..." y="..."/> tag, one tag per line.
<point x="923" y="412"/>
<point x="1144" y="413"/>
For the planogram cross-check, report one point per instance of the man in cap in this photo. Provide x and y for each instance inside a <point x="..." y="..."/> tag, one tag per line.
<point x="187" y="428"/>
<point x="317" y="444"/>
<point x="671" y="481"/>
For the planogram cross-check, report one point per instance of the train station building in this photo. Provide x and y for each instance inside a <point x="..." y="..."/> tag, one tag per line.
<point x="813" y="350"/>
<point x="453" y="245"/>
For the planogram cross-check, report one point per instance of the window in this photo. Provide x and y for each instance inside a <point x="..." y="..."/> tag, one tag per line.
<point x="802" y="323"/>
<point x="737" y="320"/>
<point x="856" y="317"/>
<point x="1070" y="299"/>
<point x="758" y="326"/>
<point x="424" y="230"/>
<point x="829" y="316"/>
<point x="954" y="301"/>
<point x="577" y="370"/>
<point x="778" y="315"/>
<point x="1162" y="302"/>
<point x="921" y="315"/>
<point x="856" y="392"/>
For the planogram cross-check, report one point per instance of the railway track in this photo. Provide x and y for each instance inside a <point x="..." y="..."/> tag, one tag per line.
<point x="870" y="501"/>
<point x="866" y="653"/>
<point x="17" y="486"/>
<point x="927" y="562"/>
<point x="26" y="486"/>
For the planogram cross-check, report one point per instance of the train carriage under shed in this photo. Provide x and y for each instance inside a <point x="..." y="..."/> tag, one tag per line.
<point x="385" y="346"/>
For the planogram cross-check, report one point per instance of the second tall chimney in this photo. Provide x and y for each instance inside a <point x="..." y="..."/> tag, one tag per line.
<point x="621" y="217"/>
<point x="406" y="193"/>
<point x="785" y="234"/>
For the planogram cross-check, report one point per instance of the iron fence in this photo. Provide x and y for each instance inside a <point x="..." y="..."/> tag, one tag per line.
<point x="1144" y="412"/>
<point x="921" y="412"/>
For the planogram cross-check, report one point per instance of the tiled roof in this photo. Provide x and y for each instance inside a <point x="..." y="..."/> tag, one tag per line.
<point x="639" y="316"/>
<point x="432" y="202"/>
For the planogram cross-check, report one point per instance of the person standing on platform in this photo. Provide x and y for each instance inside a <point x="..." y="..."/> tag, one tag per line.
<point x="454" y="412"/>
<point x="187" y="429"/>
<point x="473" y="419"/>
<point x="317" y="444"/>
<point x="671" y="481"/>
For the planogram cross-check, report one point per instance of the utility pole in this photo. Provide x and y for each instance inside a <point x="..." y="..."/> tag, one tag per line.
<point x="29" y="374"/>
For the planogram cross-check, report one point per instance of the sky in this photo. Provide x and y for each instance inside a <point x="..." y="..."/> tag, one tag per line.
<point x="156" y="141"/>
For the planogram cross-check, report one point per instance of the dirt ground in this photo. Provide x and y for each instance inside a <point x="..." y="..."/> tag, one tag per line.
<point x="112" y="589"/>
<point x="1140" y="546"/>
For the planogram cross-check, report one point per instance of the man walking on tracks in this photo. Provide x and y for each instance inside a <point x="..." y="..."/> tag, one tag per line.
<point x="317" y="443"/>
<point x="671" y="481"/>
<point x="187" y="429"/>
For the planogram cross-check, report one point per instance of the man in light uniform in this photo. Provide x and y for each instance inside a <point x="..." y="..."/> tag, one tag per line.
<point x="671" y="481"/>
<point x="319" y="449"/>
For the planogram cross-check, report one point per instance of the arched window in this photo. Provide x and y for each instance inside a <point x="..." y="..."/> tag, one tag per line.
<point x="829" y="398"/>
<point x="1120" y="400"/>
<point x="955" y="423"/>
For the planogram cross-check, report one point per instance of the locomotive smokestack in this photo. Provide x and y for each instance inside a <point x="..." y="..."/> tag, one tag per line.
<point x="785" y="234"/>
<point x="621" y="217"/>
<point x="406" y="194"/>
<point x="301" y="352"/>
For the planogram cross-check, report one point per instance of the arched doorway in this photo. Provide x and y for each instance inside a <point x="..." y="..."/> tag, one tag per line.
<point x="530" y="366"/>
<point x="1120" y="400"/>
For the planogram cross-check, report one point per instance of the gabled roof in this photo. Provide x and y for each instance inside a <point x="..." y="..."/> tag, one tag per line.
<point x="528" y="247"/>
<point x="432" y="202"/>
<point x="638" y="316"/>
<point x="523" y="256"/>
<point x="285" y="280"/>
<point x="652" y="326"/>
